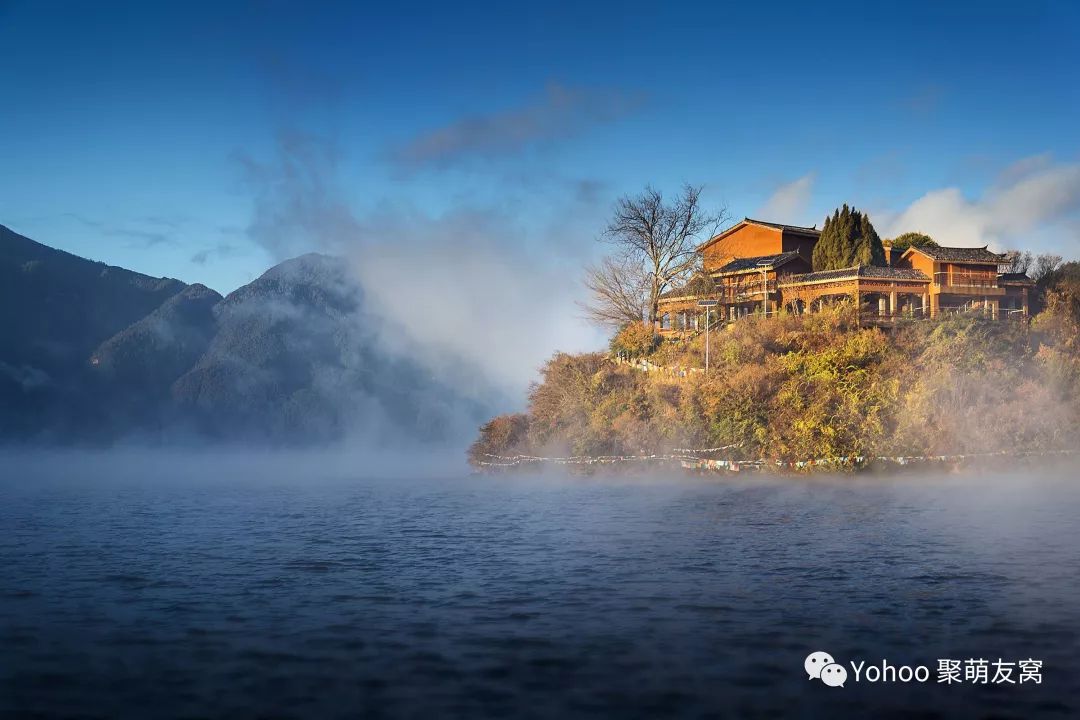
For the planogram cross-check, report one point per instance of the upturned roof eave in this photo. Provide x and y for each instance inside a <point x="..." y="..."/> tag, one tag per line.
<point x="998" y="259"/>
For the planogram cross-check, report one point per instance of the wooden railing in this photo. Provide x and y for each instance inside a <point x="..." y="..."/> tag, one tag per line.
<point x="745" y="290"/>
<point x="689" y="330"/>
<point x="986" y="312"/>
<point x="966" y="278"/>
<point x="873" y="317"/>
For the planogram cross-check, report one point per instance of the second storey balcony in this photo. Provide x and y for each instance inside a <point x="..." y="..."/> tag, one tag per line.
<point x="968" y="282"/>
<point x="744" y="291"/>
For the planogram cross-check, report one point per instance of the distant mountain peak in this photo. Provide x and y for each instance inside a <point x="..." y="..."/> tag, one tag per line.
<point x="98" y="352"/>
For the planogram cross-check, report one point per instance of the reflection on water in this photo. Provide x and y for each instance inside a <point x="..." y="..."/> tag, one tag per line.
<point x="143" y="595"/>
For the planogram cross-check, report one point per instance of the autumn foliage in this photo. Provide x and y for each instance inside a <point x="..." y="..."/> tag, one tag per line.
<point x="636" y="339"/>
<point x="814" y="386"/>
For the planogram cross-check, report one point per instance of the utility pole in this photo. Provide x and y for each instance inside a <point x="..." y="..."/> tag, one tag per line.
<point x="708" y="305"/>
<point x="764" y="265"/>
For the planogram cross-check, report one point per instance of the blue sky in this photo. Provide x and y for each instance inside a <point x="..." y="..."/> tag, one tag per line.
<point x="206" y="140"/>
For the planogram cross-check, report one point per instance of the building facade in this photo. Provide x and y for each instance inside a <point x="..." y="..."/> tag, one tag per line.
<point x="764" y="267"/>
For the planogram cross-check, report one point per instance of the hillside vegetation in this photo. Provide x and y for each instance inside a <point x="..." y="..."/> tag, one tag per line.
<point x="813" y="386"/>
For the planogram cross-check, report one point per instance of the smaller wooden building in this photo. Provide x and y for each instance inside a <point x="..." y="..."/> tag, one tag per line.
<point x="961" y="278"/>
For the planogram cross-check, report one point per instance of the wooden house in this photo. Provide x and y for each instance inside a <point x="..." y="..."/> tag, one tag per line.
<point x="961" y="279"/>
<point x="762" y="267"/>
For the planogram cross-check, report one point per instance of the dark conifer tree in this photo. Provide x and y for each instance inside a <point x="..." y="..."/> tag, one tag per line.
<point x="848" y="239"/>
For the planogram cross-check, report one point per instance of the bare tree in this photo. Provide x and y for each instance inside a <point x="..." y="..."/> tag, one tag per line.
<point x="1037" y="267"/>
<point x="619" y="288"/>
<point x="1016" y="261"/>
<point x="797" y="298"/>
<point x="1043" y="267"/>
<point x="656" y="244"/>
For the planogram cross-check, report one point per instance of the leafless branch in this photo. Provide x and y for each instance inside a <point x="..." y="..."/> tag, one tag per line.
<point x="658" y="238"/>
<point x="619" y="289"/>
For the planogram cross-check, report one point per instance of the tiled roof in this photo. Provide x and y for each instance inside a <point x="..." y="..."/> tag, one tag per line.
<point x="797" y="229"/>
<point x="763" y="262"/>
<point x="960" y="254"/>
<point x="780" y="226"/>
<point x="859" y="271"/>
<point x="1018" y="278"/>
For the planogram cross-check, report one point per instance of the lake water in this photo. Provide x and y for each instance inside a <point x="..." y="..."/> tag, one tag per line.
<point x="155" y="587"/>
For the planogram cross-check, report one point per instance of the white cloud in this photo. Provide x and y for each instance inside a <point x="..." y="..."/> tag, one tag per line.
<point x="1034" y="205"/>
<point x="456" y="292"/>
<point x="789" y="202"/>
<point x="476" y="295"/>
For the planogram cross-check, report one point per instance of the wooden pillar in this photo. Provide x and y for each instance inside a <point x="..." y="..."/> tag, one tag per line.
<point x="935" y="304"/>
<point x="892" y="303"/>
<point x="925" y="309"/>
<point x="1025" y="301"/>
<point x="995" y="308"/>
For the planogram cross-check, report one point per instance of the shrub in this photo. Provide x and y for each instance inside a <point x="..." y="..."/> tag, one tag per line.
<point x="501" y="436"/>
<point x="814" y="386"/>
<point x="634" y="340"/>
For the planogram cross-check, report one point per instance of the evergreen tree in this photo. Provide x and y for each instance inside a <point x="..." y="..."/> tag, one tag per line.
<point x="848" y="239"/>
<point x="912" y="239"/>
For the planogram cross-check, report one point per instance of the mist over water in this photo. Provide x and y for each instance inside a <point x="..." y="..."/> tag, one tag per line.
<point x="332" y="584"/>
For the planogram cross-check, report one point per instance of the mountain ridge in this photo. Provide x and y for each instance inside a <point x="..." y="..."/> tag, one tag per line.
<point x="290" y="358"/>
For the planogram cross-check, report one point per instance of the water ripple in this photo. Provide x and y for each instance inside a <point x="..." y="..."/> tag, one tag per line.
<point x="482" y="597"/>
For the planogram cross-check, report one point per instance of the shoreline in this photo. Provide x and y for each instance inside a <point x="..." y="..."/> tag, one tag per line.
<point x="691" y="465"/>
